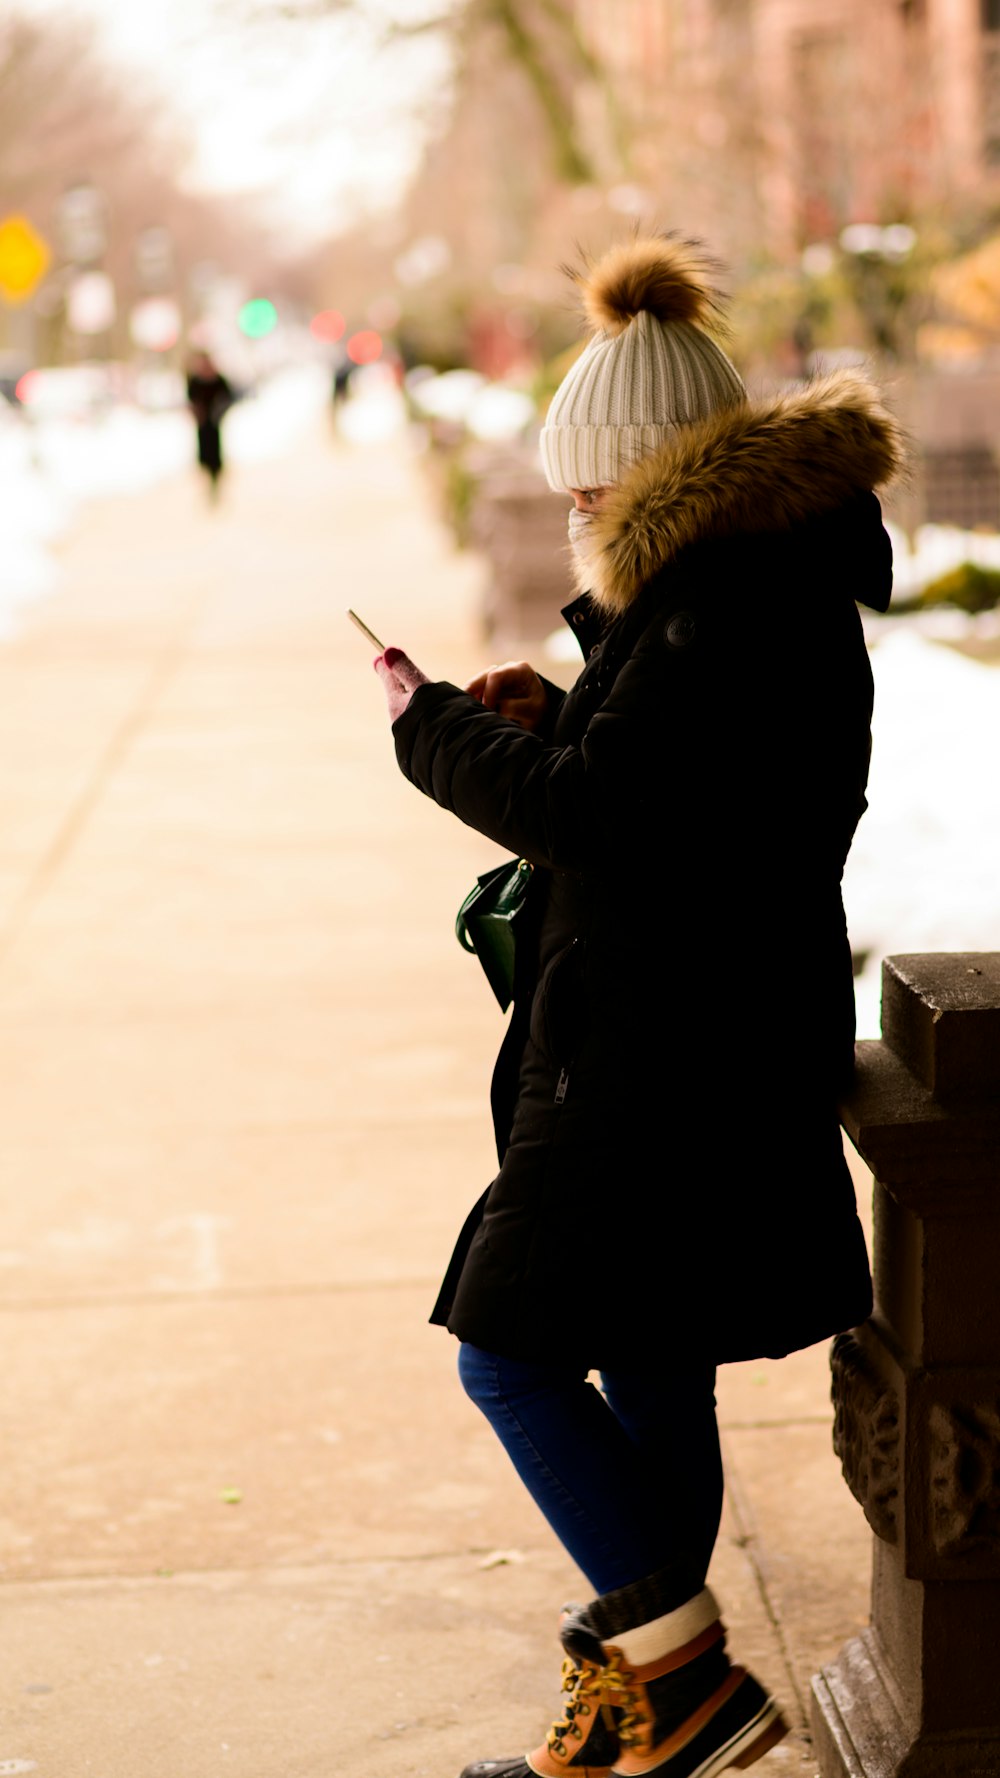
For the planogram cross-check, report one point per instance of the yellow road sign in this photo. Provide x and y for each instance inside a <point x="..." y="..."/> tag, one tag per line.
<point x="24" y="258"/>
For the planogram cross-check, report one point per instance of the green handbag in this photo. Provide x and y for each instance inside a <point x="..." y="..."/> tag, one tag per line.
<point x="486" y="920"/>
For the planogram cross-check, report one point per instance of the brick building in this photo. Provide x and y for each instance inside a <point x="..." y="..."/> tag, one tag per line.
<point x="792" y="118"/>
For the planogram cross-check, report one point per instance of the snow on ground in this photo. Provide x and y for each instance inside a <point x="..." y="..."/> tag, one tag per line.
<point x="49" y="465"/>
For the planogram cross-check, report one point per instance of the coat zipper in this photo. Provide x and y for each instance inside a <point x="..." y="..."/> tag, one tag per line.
<point x="562" y="1084"/>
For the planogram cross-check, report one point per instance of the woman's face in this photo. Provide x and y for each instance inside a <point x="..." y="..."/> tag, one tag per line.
<point x="589" y="499"/>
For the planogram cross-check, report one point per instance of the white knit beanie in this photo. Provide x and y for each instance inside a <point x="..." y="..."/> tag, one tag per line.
<point x="649" y="369"/>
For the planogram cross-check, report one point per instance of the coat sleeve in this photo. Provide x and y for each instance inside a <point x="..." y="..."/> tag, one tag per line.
<point x="554" y="697"/>
<point x="561" y="807"/>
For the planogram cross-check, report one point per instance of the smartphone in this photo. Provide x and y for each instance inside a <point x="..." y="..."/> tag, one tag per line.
<point x="365" y="631"/>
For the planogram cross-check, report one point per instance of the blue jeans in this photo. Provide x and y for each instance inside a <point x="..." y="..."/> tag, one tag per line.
<point x="629" y="1476"/>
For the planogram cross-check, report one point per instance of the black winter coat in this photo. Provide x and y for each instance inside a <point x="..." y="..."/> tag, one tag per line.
<point x="671" y="1176"/>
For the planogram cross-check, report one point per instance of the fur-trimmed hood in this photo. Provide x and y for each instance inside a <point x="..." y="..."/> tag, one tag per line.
<point x="762" y="466"/>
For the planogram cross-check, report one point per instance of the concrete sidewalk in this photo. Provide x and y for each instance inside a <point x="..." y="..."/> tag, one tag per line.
<point x="248" y="1522"/>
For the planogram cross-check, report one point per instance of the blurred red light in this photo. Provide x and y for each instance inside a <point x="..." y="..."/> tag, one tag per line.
<point x="329" y="324"/>
<point x="364" y="347"/>
<point x="24" y="386"/>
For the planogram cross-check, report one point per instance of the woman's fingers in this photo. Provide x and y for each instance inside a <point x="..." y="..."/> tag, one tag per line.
<point x="405" y="670"/>
<point x="400" y="678"/>
<point x="499" y="684"/>
<point x="512" y="689"/>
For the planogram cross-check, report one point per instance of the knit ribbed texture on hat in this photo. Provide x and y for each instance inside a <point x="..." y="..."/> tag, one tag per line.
<point x="627" y="394"/>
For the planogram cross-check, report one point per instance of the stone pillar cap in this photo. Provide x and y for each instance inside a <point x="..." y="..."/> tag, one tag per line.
<point x="941" y="1016"/>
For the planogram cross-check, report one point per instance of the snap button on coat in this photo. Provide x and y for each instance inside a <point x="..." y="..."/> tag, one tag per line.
<point x="680" y="630"/>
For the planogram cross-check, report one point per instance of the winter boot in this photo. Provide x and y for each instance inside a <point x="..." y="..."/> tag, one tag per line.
<point x="583" y="1738"/>
<point x="681" y="1709"/>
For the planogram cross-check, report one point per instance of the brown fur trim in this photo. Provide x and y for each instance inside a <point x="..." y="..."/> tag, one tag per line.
<point x="668" y="277"/>
<point x="762" y="467"/>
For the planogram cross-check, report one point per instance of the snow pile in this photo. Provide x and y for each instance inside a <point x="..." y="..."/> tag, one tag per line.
<point x="924" y="871"/>
<point x="936" y="550"/>
<point x="264" y="425"/>
<point x="123" y="452"/>
<point x="33" y="515"/>
<point x="49" y="464"/>
<point x="375" y="409"/>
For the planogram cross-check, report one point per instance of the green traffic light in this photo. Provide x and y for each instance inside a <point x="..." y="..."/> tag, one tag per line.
<point x="257" y="318"/>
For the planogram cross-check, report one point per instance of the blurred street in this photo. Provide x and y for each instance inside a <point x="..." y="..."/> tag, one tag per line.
<point x="248" y="1521"/>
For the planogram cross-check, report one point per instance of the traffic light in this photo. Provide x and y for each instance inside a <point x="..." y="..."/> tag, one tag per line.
<point x="365" y="347"/>
<point x="329" y="325"/>
<point x="257" y="318"/>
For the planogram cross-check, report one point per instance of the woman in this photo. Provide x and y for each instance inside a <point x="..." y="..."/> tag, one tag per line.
<point x="672" y="1191"/>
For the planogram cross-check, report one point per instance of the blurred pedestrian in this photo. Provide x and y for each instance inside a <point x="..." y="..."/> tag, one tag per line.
<point x="672" y="1191"/>
<point x="210" y="397"/>
<point x="340" y="386"/>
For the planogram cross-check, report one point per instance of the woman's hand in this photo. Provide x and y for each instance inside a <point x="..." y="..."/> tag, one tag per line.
<point x="513" y="689"/>
<point x="400" y="679"/>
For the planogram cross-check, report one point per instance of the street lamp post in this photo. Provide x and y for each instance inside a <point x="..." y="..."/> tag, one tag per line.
<point x="82" y="223"/>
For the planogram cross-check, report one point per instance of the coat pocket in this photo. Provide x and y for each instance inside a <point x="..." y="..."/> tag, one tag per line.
<point x="558" y="1010"/>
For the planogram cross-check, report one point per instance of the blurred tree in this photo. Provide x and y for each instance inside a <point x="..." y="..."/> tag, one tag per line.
<point x="69" y="117"/>
<point x="769" y="130"/>
<point x="539" y="38"/>
<point x="57" y="104"/>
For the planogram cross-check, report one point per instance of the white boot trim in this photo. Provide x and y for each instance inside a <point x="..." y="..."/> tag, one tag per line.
<point x="650" y="1642"/>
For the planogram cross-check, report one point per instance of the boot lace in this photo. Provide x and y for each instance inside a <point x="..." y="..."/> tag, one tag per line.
<point x="585" y="1688"/>
<point x="623" y="1692"/>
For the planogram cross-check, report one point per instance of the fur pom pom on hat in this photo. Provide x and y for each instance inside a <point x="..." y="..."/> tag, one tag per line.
<point x="649" y="369"/>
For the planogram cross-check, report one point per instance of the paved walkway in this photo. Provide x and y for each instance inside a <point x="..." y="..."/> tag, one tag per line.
<point x="248" y="1523"/>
